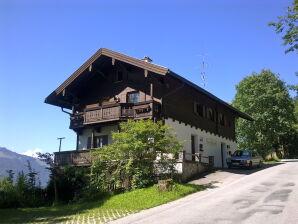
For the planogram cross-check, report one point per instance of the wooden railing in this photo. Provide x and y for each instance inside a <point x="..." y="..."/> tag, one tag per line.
<point x="197" y="157"/>
<point x="113" y="112"/>
<point x="73" y="158"/>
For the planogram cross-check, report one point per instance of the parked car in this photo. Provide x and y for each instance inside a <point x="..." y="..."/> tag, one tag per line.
<point x="245" y="158"/>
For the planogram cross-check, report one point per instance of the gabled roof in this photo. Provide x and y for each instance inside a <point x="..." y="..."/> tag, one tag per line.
<point x="138" y="63"/>
<point x="117" y="56"/>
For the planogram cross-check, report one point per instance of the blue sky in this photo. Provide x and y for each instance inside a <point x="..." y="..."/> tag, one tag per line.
<point x="43" y="42"/>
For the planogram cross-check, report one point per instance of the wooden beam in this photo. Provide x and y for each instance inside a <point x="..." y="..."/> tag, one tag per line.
<point x="146" y="73"/>
<point x="151" y="90"/>
<point x="63" y="92"/>
<point x="113" y="61"/>
<point x="90" y="68"/>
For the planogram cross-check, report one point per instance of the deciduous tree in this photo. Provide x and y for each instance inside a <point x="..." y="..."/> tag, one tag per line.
<point x="288" y="26"/>
<point x="266" y="98"/>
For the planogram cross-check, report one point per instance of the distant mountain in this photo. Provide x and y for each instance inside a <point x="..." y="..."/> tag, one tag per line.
<point x="13" y="161"/>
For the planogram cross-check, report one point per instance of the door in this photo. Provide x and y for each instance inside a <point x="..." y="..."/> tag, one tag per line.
<point x="193" y="149"/>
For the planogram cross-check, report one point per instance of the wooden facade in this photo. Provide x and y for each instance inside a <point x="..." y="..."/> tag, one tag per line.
<point x="112" y="87"/>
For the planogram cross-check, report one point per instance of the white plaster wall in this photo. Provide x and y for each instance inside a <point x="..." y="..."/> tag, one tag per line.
<point x="107" y="130"/>
<point x="211" y="143"/>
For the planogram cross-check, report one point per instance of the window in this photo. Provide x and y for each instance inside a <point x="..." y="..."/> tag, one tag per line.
<point x="98" y="141"/>
<point x="201" y="148"/>
<point x="199" y="109"/>
<point x="221" y="119"/>
<point x="210" y="114"/>
<point x="119" y="76"/>
<point x="133" y="97"/>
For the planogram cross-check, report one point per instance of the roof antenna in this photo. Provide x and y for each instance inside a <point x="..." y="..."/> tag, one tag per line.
<point x="204" y="65"/>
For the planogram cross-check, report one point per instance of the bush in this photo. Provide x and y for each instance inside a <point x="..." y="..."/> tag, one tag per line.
<point x="71" y="183"/>
<point x="131" y="161"/>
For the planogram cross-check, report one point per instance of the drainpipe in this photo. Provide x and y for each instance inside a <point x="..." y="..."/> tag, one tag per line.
<point x="62" y="109"/>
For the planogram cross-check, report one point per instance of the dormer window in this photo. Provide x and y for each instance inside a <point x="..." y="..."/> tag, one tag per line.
<point x="119" y="76"/>
<point x="133" y="97"/>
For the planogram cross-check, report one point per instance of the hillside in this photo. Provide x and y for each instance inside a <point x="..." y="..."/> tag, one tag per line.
<point x="13" y="161"/>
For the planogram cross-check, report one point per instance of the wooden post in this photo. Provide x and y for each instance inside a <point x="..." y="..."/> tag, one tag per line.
<point x="151" y="90"/>
<point x="55" y="184"/>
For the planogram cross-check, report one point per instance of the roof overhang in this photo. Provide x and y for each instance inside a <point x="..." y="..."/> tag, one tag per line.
<point x="115" y="56"/>
<point x="53" y="98"/>
<point x="239" y="113"/>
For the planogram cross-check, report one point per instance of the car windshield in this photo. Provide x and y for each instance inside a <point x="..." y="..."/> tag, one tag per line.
<point x="239" y="153"/>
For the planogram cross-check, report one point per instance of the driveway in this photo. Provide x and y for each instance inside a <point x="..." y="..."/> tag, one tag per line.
<point x="267" y="195"/>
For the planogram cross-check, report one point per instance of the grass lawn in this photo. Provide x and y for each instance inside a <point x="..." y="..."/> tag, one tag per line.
<point x="107" y="209"/>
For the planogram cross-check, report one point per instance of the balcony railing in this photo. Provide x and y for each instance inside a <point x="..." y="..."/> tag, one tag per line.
<point x="73" y="158"/>
<point x="119" y="111"/>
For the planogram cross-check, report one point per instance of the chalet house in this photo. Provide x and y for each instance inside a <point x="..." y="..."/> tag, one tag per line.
<point x="111" y="87"/>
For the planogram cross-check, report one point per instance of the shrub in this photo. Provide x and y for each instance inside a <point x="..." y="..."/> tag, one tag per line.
<point x="141" y="151"/>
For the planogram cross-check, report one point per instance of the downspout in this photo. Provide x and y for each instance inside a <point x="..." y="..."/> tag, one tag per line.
<point x="62" y="109"/>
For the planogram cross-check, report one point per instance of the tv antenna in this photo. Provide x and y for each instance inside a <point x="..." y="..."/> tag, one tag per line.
<point x="204" y="65"/>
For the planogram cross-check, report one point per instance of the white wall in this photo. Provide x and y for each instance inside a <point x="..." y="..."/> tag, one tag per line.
<point x="211" y="143"/>
<point x="107" y="130"/>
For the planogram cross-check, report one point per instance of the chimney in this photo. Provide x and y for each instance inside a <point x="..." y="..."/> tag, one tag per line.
<point x="147" y="59"/>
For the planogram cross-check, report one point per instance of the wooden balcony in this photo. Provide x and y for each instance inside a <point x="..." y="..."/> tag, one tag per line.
<point x="114" y="112"/>
<point x="73" y="158"/>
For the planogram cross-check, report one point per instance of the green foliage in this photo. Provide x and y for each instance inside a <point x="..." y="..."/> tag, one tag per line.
<point x="24" y="193"/>
<point x="71" y="183"/>
<point x="294" y="87"/>
<point x="8" y="196"/>
<point x="130" y="162"/>
<point x="31" y="180"/>
<point x="266" y="98"/>
<point x="288" y="26"/>
<point x="10" y="175"/>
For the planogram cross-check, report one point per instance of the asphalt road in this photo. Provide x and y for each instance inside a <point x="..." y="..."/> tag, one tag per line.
<point x="267" y="195"/>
